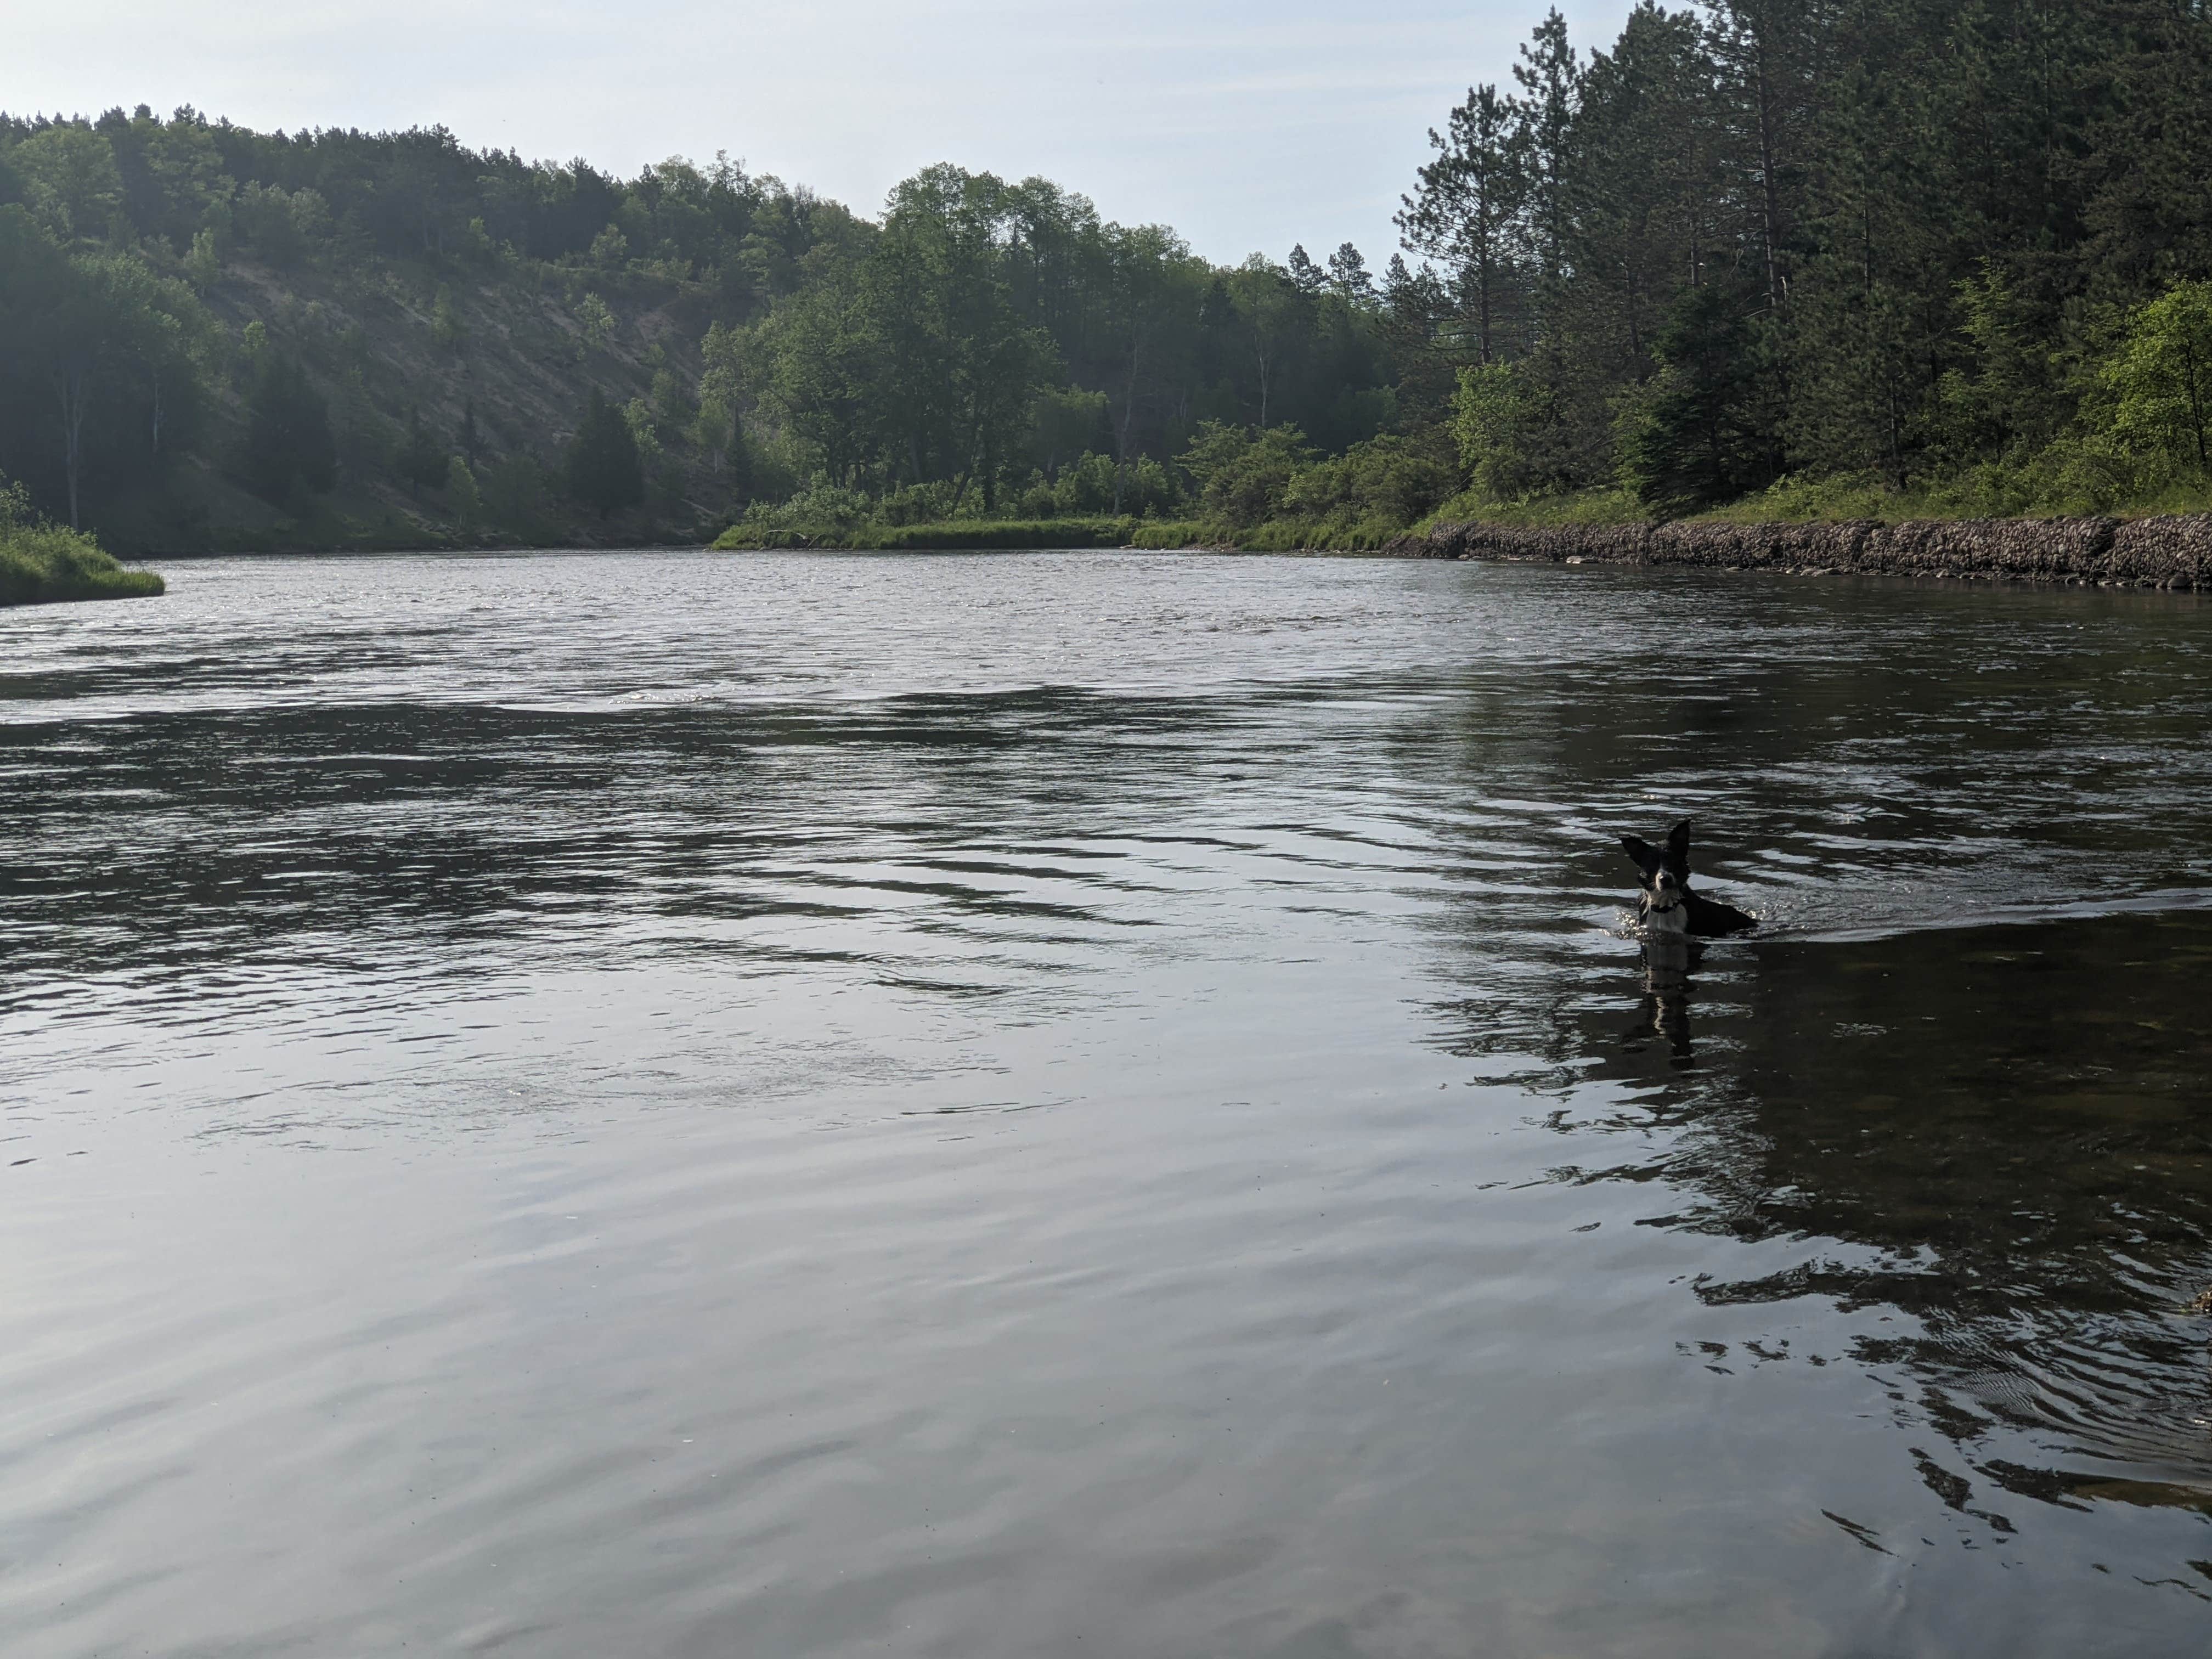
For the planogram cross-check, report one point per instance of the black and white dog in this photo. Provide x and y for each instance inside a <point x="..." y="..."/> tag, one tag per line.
<point x="1669" y="908"/>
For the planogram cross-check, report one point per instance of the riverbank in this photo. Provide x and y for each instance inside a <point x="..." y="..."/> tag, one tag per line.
<point x="976" y="534"/>
<point x="48" y="564"/>
<point x="2168" y="552"/>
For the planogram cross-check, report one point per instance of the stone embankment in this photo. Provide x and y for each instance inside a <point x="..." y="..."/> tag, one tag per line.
<point x="2166" y="552"/>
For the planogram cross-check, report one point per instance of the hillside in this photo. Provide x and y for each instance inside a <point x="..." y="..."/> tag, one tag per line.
<point x="1857" y="260"/>
<point x="491" y="365"/>
<point x="286" y="341"/>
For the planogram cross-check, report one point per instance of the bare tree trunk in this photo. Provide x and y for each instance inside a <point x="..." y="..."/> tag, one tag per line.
<point x="73" y="384"/>
<point x="1482" y="301"/>
<point x="1128" y="419"/>
<point x="1770" y="189"/>
<point x="2196" y="406"/>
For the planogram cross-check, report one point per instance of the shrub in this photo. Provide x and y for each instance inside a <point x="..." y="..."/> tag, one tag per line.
<point x="1243" y="476"/>
<point x="2161" y="380"/>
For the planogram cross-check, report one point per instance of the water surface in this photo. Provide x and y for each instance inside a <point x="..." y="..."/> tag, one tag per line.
<point x="692" y="1104"/>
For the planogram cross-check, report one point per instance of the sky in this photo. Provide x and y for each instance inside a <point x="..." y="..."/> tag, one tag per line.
<point x="1247" y="126"/>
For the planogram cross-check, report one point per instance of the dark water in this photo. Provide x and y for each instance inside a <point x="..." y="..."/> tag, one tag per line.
<point x="1015" y="1105"/>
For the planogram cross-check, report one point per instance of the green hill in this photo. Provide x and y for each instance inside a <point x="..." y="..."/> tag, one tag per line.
<point x="1862" y="258"/>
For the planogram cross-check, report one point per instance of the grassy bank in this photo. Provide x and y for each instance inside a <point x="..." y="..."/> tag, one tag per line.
<point x="1981" y="498"/>
<point x="46" y="564"/>
<point x="950" y="534"/>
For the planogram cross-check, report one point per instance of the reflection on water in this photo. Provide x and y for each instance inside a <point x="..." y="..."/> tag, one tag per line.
<point x="970" y="1105"/>
<point x="1999" y="1131"/>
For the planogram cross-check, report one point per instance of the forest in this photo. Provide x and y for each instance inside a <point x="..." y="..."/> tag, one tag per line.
<point x="1768" y="257"/>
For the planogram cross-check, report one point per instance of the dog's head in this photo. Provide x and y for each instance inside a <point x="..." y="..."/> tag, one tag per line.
<point x="1664" y="872"/>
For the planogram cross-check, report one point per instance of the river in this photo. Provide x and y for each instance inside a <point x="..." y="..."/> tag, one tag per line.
<point x="672" y="1105"/>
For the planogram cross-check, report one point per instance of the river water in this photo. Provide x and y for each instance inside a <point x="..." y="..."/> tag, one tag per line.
<point x="1002" y="1105"/>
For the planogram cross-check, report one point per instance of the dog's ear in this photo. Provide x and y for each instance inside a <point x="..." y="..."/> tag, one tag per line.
<point x="1639" y="851"/>
<point x="1678" y="848"/>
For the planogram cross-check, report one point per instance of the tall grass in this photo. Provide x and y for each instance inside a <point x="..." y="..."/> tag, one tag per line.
<point x="44" y="563"/>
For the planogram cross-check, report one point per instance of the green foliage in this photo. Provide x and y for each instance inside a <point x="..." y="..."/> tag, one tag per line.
<point x="288" y="446"/>
<point x="72" y="181"/>
<point x="1066" y="422"/>
<point x="518" y="495"/>
<point x="1011" y="533"/>
<point x="1492" y="414"/>
<point x="446" y="326"/>
<point x="281" y="227"/>
<point x="596" y="322"/>
<point x="461" y="492"/>
<point x="203" y="264"/>
<point x="1608" y="505"/>
<point x="943" y="535"/>
<point x="1786" y="258"/>
<point x="1270" y="491"/>
<point x="1380" y="487"/>
<point x="1243" y="476"/>
<point x="1705" y="432"/>
<point x="1092" y="484"/>
<point x="2162" y="378"/>
<point x="999" y="339"/>
<point x="1170" y="535"/>
<point x="420" y="460"/>
<point x="1867" y="240"/>
<point x="2001" y="397"/>
<point x="604" y="471"/>
<point x="824" y="514"/>
<point x="99" y="364"/>
<point x="42" y="562"/>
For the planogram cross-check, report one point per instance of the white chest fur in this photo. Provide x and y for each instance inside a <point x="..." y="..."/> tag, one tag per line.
<point x="1674" y="920"/>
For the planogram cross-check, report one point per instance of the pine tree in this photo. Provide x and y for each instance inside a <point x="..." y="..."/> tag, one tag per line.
<point x="421" y="459"/>
<point x="604" y="471"/>
<point x="1708" y="435"/>
<point x="1466" y="211"/>
<point x="287" y="432"/>
<point x="1348" y="274"/>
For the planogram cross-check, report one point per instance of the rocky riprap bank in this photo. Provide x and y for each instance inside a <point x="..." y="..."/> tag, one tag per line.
<point x="2166" y="552"/>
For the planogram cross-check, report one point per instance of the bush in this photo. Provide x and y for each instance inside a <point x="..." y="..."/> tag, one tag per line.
<point x="1084" y="488"/>
<point x="1388" y="480"/>
<point x="1169" y="535"/>
<point x="2162" y="378"/>
<point x="1243" y="476"/>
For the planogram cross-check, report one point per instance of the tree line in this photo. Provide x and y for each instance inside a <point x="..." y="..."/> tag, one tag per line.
<point x="1910" y="244"/>
<point x="214" y="296"/>
<point x="1821" y="255"/>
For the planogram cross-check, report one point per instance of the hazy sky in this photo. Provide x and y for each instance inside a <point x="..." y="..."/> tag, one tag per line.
<point x="1246" y="125"/>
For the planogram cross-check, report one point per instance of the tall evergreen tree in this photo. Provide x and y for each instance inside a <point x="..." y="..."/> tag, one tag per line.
<point x="603" y="471"/>
<point x="288" y="444"/>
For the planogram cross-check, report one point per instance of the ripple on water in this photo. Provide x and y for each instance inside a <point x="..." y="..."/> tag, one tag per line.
<point x="682" y="1104"/>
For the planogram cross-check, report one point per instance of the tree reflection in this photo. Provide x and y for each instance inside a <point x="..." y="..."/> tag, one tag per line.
<point x="2004" y="1133"/>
